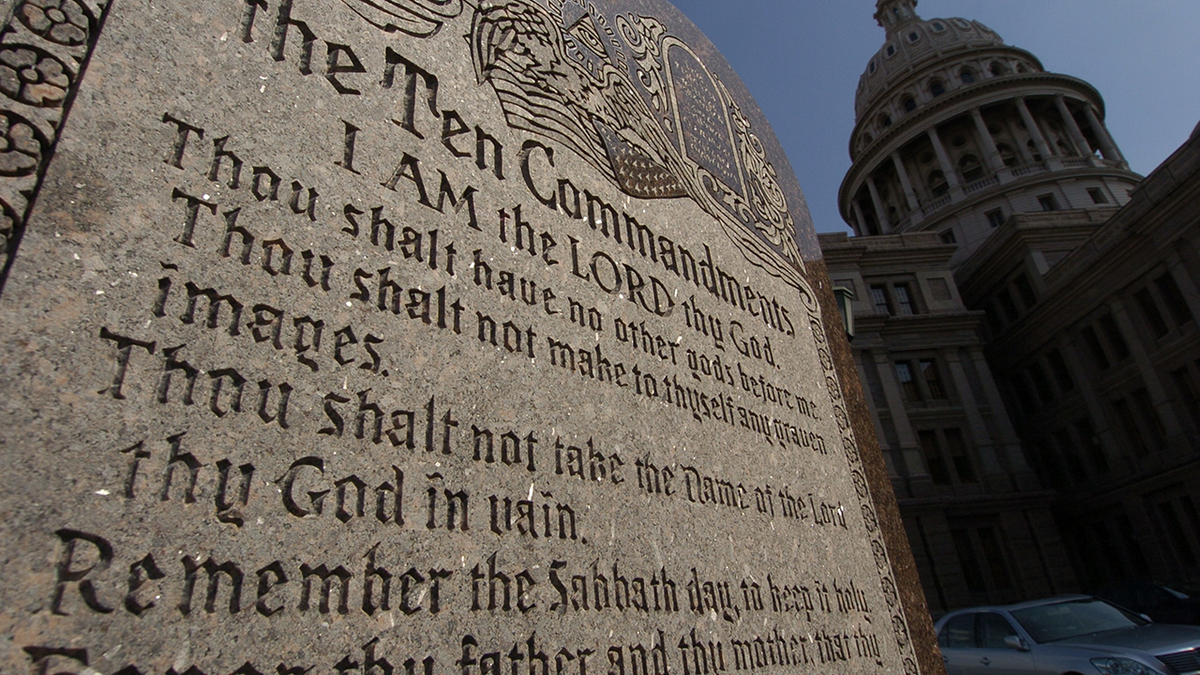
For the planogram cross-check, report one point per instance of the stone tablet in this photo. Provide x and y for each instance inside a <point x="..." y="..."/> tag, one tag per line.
<point x="418" y="336"/>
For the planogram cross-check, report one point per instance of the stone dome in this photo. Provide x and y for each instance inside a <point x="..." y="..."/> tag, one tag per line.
<point x="913" y="42"/>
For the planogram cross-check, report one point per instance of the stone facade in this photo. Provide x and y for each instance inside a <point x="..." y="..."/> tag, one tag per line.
<point x="1102" y="361"/>
<point x="1006" y="250"/>
<point x="977" y="516"/>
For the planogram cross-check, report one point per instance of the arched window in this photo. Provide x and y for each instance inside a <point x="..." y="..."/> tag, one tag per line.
<point x="998" y="69"/>
<point x="967" y="76"/>
<point x="866" y="139"/>
<point x="891" y="50"/>
<point x="910" y="104"/>
<point x="938" y="187"/>
<point x="1032" y="148"/>
<point x="1021" y="68"/>
<point x="937" y="88"/>
<point x="970" y="168"/>
<point x="938" y="27"/>
<point x="871" y="68"/>
<point x="1007" y="155"/>
<point x="885" y="120"/>
<point x="913" y="37"/>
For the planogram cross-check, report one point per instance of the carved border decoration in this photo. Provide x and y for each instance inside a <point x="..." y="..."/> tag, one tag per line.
<point x="862" y="488"/>
<point x="45" y="47"/>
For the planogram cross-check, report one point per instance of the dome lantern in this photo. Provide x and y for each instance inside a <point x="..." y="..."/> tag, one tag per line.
<point x="893" y="14"/>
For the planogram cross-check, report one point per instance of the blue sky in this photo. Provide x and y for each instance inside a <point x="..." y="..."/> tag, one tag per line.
<point x="801" y="59"/>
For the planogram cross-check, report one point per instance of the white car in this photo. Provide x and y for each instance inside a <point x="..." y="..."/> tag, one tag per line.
<point x="1067" y="635"/>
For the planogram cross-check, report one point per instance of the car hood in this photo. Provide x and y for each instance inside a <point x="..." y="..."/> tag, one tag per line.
<point x="1153" y="638"/>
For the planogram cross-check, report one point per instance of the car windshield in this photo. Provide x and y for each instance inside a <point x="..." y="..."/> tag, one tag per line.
<point x="1177" y="594"/>
<point x="1064" y="620"/>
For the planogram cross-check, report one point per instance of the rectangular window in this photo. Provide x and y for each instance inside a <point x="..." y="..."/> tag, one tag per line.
<point x="1140" y="565"/>
<point x="1094" y="347"/>
<point x="1176" y="304"/>
<point x="904" y="300"/>
<point x="972" y="573"/>
<point x="908" y="381"/>
<point x="948" y="237"/>
<point x="1174" y="528"/>
<point x="1040" y="384"/>
<point x="1150" y="419"/>
<point x="1025" y="291"/>
<point x="1130" y="427"/>
<point x="1006" y="303"/>
<point x="932" y="450"/>
<point x="1097" y="195"/>
<point x="1058" y="366"/>
<point x="991" y="318"/>
<point x="1115" y="339"/>
<point x="880" y="298"/>
<point x="1048" y="202"/>
<point x="1190" y="513"/>
<point x="1016" y="385"/>
<point x="1116" y="563"/>
<point x="1185" y="383"/>
<point x="1154" y="318"/>
<point x="995" y="217"/>
<point x="1050" y="463"/>
<point x="933" y="379"/>
<point x="1091" y="444"/>
<point x="1070" y="455"/>
<point x="958" y="455"/>
<point x="996" y="560"/>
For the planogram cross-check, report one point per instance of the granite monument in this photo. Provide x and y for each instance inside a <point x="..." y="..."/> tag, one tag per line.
<point x="420" y="336"/>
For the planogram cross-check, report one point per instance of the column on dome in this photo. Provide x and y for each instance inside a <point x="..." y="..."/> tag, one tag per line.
<point x="944" y="161"/>
<point x="1107" y="146"/>
<point x="1021" y="149"/>
<point x="994" y="162"/>
<point x="1034" y="130"/>
<point x="858" y="218"/>
<point x="880" y="215"/>
<point x="914" y="206"/>
<point x="1081" y="144"/>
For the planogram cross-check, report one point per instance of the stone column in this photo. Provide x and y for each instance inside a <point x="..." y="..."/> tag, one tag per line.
<point x="1159" y="397"/>
<point x="858" y="216"/>
<point x="1022" y="149"/>
<point x="984" y="443"/>
<point x="885" y="224"/>
<point x="1081" y="144"/>
<point x="914" y="206"/>
<point x="944" y="160"/>
<point x="909" y="448"/>
<point x="1014" y="457"/>
<point x="1102" y="421"/>
<point x="1107" y="147"/>
<point x="889" y="454"/>
<point x="1183" y="279"/>
<point x="1034" y="130"/>
<point x="994" y="162"/>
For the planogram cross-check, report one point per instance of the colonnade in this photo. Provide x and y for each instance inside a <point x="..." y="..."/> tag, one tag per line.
<point x="992" y="159"/>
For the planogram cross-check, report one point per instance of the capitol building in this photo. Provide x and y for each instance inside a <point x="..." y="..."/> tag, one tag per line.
<point x="1025" y="320"/>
